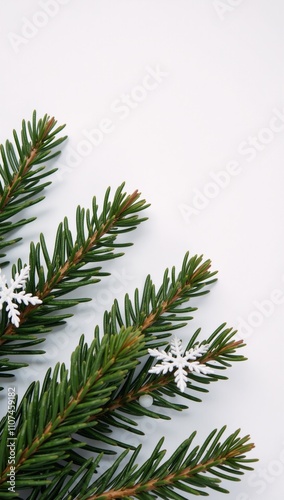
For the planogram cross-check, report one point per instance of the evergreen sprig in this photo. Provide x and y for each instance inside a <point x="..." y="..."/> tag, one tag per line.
<point x="76" y="408"/>
<point x="73" y="264"/>
<point x="79" y="406"/>
<point x="124" y="404"/>
<point x="157" y="314"/>
<point x="73" y="402"/>
<point x="160" y="312"/>
<point x="20" y="181"/>
<point x="46" y="419"/>
<point x="189" y="470"/>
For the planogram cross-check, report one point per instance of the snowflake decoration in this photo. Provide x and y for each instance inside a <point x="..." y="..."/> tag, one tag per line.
<point x="10" y="293"/>
<point x="182" y="361"/>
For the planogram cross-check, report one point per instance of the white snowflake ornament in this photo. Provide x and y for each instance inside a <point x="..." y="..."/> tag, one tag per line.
<point x="11" y="293"/>
<point x="182" y="362"/>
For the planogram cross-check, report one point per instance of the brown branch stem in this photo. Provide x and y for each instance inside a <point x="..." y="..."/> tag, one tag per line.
<point x="166" y="304"/>
<point x="170" y="479"/>
<point x="26" y="165"/>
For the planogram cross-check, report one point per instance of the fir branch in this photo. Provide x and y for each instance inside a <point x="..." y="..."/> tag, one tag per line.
<point x="20" y="182"/>
<point x="124" y="404"/>
<point x="189" y="469"/>
<point x="71" y="266"/>
<point x="101" y="389"/>
<point x="45" y="420"/>
<point x="125" y="400"/>
<point x="160" y="312"/>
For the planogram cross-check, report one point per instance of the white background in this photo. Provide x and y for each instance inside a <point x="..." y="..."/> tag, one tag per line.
<point x="218" y="105"/>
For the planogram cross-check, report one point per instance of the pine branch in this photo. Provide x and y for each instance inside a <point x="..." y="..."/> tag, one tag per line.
<point x="111" y="412"/>
<point x="190" y="470"/>
<point x="20" y="182"/>
<point x="75" y="410"/>
<point x="78" y="404"/>
<point x="161" y="312"/>
<point x="72" y="265"/>
<point x="46" y="420"/>
<point x="124" y="404"/>
<point x="185" y="470"/>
